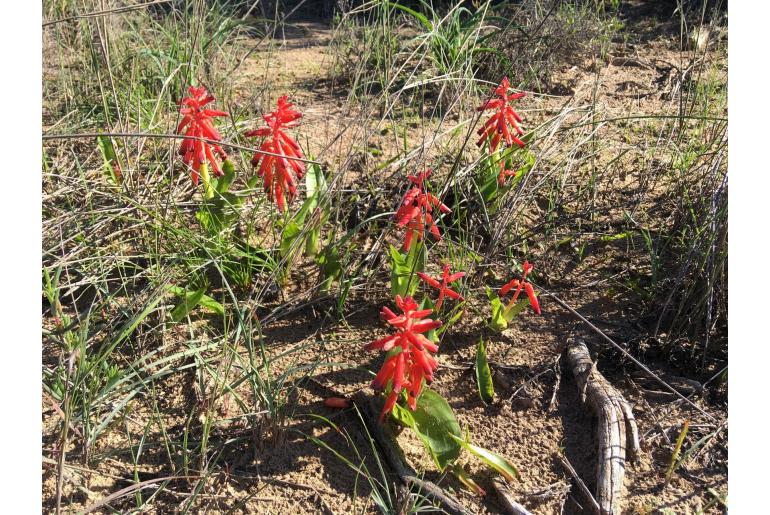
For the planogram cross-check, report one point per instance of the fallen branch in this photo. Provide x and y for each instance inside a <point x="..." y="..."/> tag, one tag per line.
<point x="509" y="501"/>
<point x="392" y="452"/>
<point x="626" y="353"/>
<point x="397" y="461"/>
<point x="617" y="431"/>
<point x="593" y="505"/>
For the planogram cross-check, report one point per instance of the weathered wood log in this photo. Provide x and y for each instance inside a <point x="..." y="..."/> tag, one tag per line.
<point x="507" y="498"/>
<point x="617" y="431"/>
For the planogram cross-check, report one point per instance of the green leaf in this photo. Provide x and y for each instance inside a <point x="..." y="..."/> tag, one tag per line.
<point x="483" y="374"/>
<point x="403" y="267"/>
<point x="252" y="182"/>
<point x="228" y="176"/>
<point x="329" y="263"/>
<point x="513" y="311"/>
<point x="189" y="302"/>
<point x="498" y="321"/>
<point x="500" y="464"/>
<point x="313" y="242"/>
<point x="111" y="163"/>
<point x="290" y="233"/>
<point x="212" y="305"/>
<point x="205" y="301"/>
<point x="435" y="425"/>
<point x="315" y="183"/>
<point x="467" y="480"/>
<point x="399" y="275"/>
<point x="420" y="17"/>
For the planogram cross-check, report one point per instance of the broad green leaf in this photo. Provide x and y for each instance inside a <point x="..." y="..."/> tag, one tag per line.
<point x="219" y="213"/>
<point x="313" y="242"/>
<point x="329" y="264"/>
<point x="189" y="302"/>
<point x="315" y="183"/>
<point x="205" y="301"/>
<point x="513" y="311"/>
<point x="228" y="176"/>
<point x="614" y="237"/>
<point x="252" y="182"/>
<point x="290" y="233"/>
<point x="208" y="221"/>
<point x="212" y="305"/>
<point x="498" y="321"/>
<point x="399" y="273"/>
<point x="500" y="464"/>
<point x="483" y="374"/>
<point x="486" y="181"/>
<point x="435" y="425"/>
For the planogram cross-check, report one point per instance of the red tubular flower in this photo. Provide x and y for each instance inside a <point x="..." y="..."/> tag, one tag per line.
<point x="415" y="211"/>
<point x="197" y="122"/>
<point x="276" y="170"/>
<point x="443" y="286"/>
<point x="496" y="128"/>
<point x="519" y="285"/>
<point x="413" y="362"/>
<point x="504" y="173"/>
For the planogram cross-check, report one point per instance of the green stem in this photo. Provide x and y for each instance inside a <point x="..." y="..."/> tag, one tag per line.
<point x="208" y="191"/>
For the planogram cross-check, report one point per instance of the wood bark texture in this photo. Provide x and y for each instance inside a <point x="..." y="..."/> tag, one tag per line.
<point x="618" y="435"/>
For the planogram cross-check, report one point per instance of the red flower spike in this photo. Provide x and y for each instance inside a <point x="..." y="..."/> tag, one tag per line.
<point x="443" y="286"/>
<point x="520" y="284"/>
<point x="496" y="128"/>
<point x="415" y="210"/>
<point x="413" y="363"/>
<point x="197" y="123"/>
<point x="278" y="171"/>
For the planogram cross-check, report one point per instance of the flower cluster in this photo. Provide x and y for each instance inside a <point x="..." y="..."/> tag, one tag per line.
<point x="197" y="122"/>
<point x="278" y="154"/>
<point x="410" y="361"/>
<point x="415" y="211"/>
<point x="443" y="286"/>
<point x="520" y="284"/>
<point x="496" y="127"/>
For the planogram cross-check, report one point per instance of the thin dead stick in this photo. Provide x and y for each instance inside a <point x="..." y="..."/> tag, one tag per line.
<point x="125" y="8"/>
<point x="392" y="453"/>
<point x="627" y="354"/>
<point x="129" y="490"/>
<point x="509" y="501"/>
<point x="85" y="135"/>
<point x="593" y="505"/>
